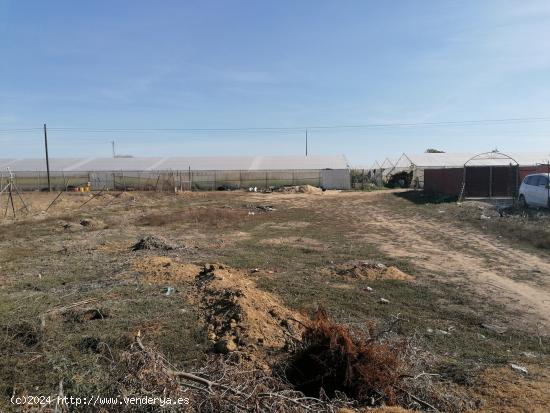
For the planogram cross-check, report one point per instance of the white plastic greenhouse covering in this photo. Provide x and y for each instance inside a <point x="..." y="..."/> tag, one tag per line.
<point x="205" y="163"/>
<point x="417" y="163"/>
<point x="457" y="160"/>
<point x="209" y="172"/>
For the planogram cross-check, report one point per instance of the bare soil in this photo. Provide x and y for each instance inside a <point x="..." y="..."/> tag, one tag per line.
<point x="471" y="296"/>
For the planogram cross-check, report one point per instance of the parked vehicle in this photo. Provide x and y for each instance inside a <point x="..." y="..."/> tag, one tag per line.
<point x="535" y="191"/>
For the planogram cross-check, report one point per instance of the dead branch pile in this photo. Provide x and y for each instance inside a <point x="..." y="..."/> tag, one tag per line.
<point x="222" y="385"/>
<point x="151" y="242"/>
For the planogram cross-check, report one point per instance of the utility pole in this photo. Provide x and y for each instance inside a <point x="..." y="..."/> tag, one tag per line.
<point x="114" y="153"/>
<point x="306" y="142"/>
<point x="47" y="158"/>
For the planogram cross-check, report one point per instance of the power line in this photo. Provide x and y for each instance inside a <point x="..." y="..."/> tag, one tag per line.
<point x="295" y="128"/>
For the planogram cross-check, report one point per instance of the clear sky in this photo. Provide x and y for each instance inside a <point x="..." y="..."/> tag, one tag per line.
<point x="255" y="64"/>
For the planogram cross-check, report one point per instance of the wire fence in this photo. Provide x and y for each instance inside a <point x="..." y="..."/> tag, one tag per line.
<point x="164" y="180"/>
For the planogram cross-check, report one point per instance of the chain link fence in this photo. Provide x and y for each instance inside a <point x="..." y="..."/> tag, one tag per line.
<point x="164" y="180"/>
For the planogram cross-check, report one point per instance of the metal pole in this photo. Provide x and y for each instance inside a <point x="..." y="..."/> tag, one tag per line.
<point x="47" y="158"/>
<point x="306" y="142"/>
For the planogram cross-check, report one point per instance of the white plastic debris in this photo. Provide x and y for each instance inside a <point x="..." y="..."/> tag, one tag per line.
<point x="518" y="368"/>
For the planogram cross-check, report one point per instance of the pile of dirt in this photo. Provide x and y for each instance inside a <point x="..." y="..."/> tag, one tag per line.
<point x="239" y="315"/>
<point x="126" y="196"/>
<point x="301" y="189"/>
<point x="159" y="270"/>
<point x="151" y="242"/>
<point x="367" y="270"/>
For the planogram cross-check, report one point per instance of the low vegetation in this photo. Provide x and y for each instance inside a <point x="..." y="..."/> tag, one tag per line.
<point x="209" y="296"/>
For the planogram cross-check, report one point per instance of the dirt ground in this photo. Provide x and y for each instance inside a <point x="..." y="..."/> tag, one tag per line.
<point x="238" y="272"/>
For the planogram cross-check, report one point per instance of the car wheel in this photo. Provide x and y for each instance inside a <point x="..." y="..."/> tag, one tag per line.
<point x="523" y="202"/>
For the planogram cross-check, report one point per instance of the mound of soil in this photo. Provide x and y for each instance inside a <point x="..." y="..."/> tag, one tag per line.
<point x="126" y="195"/>
<point x="368" y="270"/>
<point x="308" y="189"/>
<point x="162" y="269"/>
<point x="238" y="314"/>
<point x="301" y="189"/>
<point x="151" y="242"/>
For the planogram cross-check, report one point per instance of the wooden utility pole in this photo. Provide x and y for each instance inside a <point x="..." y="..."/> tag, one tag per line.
<point x="47" y="158"/>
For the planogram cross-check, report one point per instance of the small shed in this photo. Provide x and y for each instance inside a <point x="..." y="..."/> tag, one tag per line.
<point x="445" y="173"/>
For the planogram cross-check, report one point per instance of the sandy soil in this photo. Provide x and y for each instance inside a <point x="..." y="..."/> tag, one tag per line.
<point x="505" y="275"/>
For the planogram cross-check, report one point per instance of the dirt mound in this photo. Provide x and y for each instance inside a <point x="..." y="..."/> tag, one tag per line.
<point x="238" y="314"/>
<point x="301" y="189"/>
<point x="126" y="195"/>
<point x="368" y="270"/>
<point x="163" y="269"/>
<point x="151" y="242"/>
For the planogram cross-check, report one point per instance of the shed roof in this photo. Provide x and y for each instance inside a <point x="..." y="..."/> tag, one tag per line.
<point x="179" y="163"/>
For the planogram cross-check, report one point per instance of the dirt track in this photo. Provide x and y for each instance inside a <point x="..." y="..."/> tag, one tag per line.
<point x="516" y="279"/>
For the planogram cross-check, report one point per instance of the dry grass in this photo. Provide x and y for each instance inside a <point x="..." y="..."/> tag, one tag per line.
<point x="214" y="217"/>
<point x="44" y="266"/>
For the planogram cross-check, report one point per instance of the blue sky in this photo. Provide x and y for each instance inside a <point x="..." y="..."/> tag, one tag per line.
<point x="254" y="64"/>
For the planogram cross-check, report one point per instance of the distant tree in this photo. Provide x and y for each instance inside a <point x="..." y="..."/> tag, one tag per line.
<point x="431" y="150"/>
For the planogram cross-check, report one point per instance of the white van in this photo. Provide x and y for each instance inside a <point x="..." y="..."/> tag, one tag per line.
<point x="535" y="191"/>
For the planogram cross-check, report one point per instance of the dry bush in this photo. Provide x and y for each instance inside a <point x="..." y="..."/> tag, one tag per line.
<point x="332" y="360"/>
<point x="215" y="217"/>
<point x="221" y="385"/>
